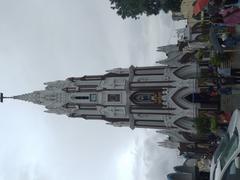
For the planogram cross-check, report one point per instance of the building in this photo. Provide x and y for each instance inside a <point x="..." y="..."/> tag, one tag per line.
<point x="158" y="97"/>
<point x="166" y="96"/>
<point x="188" y="172"/>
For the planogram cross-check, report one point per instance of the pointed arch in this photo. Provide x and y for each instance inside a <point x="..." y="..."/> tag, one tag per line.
<point x="185" y="123"/>
<point x="179" y="98"/>
<point x="147" y="98"/>
<point x="186" y="72"/>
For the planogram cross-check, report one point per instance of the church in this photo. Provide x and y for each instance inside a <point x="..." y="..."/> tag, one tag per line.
<point x="157" y="97"/>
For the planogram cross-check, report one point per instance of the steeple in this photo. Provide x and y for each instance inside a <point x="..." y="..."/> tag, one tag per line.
<point x="44" y="97"/>
<point x="33" y="97"/>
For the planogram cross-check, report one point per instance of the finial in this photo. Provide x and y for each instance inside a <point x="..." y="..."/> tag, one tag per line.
<point x="2" y="97"/>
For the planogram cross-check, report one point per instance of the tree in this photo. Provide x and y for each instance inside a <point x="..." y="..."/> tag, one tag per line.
<point x="171" y="5"/>
<point x="202" y="125"/>
<point x="135" y="8"/>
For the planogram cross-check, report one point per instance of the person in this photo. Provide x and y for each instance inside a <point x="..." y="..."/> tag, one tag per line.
<point x="224" y="118"/>
<point x="212" y="91"/>
<point x="225" y="90"/>
<point x="218" y="19"/>
<point x="229" y="80"/>
<point x="203" y="98"/>
<point x="230" y="16"/>
<point x="215" y="2"/>
<point x="212" y="70"/>
<point x="230" y="41"/>
<point x="227" y="72"/>
<point x="220" y="81"/>
<point x="230" y="2"/>
<point x="220" y="91"/>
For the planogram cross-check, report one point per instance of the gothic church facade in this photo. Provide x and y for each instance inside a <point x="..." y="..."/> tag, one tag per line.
<point x="158" y="97"/>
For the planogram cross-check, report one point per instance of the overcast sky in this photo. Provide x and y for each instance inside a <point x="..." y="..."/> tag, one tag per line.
<point x="46" y="40"/>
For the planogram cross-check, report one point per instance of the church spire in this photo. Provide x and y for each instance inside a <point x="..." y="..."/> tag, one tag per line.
<point x="33" y="97"/>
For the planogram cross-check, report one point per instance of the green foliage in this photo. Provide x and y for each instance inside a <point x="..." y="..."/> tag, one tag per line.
<point x="199" y="55"/>
<point x="206" y="124"/>
<point x="202" y="38"/>
<point x="135" y="8"/>
<point x="171" y="5"/>
<point x="216" y="60"/>
<point x="213" y="124"/>
<point x="202" y="125"/>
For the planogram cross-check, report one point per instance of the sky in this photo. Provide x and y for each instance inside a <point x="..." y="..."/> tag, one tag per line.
<point x="49" y="40"/>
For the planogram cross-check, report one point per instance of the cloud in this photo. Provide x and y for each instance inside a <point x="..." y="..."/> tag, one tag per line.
<point x="49" y="40"/>
<point x="151" y="161"/>
<point x="33" y="172"/>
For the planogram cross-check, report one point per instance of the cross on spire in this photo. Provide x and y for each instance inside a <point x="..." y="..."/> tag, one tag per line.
<point x="2" y="97"/>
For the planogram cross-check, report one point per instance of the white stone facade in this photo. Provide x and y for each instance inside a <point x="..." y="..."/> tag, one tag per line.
<point x="144" y="97"/>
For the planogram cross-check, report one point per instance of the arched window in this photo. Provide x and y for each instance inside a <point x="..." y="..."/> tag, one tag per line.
<point x="147" y="98"/>
<point x="185" y="123"/>
<point x="188" y="57"/>
<point x="186" y="72"/>
<point x="178" y="100"/>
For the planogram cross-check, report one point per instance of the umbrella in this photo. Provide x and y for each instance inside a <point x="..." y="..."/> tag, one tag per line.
<point x="199" y="5"/>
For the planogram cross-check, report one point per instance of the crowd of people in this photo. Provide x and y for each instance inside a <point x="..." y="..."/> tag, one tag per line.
<point x="225" y="81"/>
